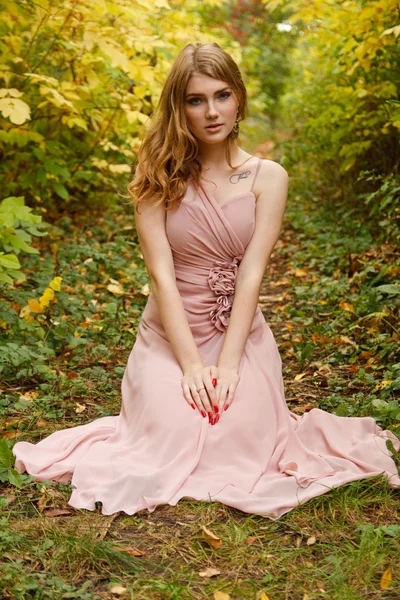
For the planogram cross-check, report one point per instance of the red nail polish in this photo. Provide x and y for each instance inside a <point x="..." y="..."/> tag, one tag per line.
<point x="214" y="382"/>
<point x="203" y="414"/>
<point x="212" y="421"/>
<point x="193" y="406"/>
<point x="217" y="418"/>
<point x="216" y="409"/>
<point x="226" y="407"/>
<point x="209" y="416"/>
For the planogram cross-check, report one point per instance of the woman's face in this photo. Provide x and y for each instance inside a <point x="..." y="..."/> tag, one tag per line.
<point x="210" y="108"/>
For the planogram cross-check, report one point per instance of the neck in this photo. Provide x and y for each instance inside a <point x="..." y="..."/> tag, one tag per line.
<point x="214" y="155"/>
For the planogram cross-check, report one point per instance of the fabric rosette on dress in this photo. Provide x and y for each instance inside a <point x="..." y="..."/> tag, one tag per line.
<point x="222" y="279"/>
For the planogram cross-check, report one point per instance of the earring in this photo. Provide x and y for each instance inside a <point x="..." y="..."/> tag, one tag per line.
<point x="235" y="130"/>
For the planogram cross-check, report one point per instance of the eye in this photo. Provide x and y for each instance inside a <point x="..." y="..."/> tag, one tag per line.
<point x="225" y="95"/>
<point x="194" y="101"/>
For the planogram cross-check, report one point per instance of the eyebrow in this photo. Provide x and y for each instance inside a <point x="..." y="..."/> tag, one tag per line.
<point x="215" y="93"/>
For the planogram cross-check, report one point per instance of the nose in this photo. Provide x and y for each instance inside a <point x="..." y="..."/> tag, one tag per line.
<point x="212" y="111"/>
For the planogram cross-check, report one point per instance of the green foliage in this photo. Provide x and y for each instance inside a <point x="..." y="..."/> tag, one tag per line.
<point x="340" y="107"/>
<point x="7" y="473"/>
<point x="17" y="225"/>
<point x="264" y="50"/>
<point x="95" y="305"/>
<point x="79" y="81"/>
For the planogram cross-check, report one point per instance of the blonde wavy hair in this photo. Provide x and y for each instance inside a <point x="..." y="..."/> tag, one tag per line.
<point x="168" y="155"/>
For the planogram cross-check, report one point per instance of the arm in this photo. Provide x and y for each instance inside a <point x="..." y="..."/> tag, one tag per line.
<point x="157" y="255"/>
<point x="272" y="184"/>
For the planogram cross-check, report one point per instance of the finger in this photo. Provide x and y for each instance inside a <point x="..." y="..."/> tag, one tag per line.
<point x="213" y="401"/>
<point x="187" y="396"/>
<point x="198" y="399"/>
<point x="214" y="375"/>
<point x="222" y="397"/>
<point x="231" y="394"/>
<point x="206" y="402"/>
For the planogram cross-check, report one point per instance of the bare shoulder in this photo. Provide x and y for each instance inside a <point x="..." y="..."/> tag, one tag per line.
<point x="271" y="169"/>
<point x="272" y="178"/>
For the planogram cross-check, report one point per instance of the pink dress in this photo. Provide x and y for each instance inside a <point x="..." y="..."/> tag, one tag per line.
<point x="259" y="458"/>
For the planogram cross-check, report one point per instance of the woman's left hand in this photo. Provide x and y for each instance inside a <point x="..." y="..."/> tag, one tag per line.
<point x="227" y="381"/>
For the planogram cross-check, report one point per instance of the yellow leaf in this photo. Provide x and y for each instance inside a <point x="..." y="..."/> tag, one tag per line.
<point x="221" y="596"/>
<point x="264" y="596"/>
<point x="115" y="289"/>
<point x="35" y="306"/>
<point x="46" y="297"/>
<point x="386" y="579"/>
<point x="55" y="283"/>
<point x="55" y="97"/>
<point x="79" y="408"/>
<point x="77" y="122"/>
<point x="10" y="92"/>
<point x="118" y="59"/>
<point x="311" y="540"/>
<point x="346" y="306"/>
<point x="300" y="376"/>
<point x="16" y="110"/>
<point x="211" y="538"/>
<point x="383" y="384"/>
<point x="140" y="91"/>
<point x="300" y="273"/>
<point x="119" y="168"/>
<point x="24" y="311"/>
<point x="395" y="30"/>
<point x="145" y="290"/>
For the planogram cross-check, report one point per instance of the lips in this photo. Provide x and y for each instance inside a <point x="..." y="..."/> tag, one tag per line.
<point x="214" y="126"/>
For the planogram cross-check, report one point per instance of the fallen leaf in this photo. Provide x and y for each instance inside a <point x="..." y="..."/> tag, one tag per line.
<point x="115" y="289"/>
<point x="221" y="596"/>
<point x="298" y="542"/>
<point x="346" y="340"/>
<point x="102" y="531"/>
<point x="300" y="273"/>
<point x="12" y="434"/>
<point x="29" y="396"/>
<point x="57" y="512"/>
<point x="346" y="306"/>
<point x="210" y="537"/>
<point x="118" y="589"/>
<point x="72" y="375"/>
<point x="264" y="596"/>
<point x="386" y="579"/>
<point x="79" y="408"/>
<point x="300" y="376"/>
<point x="311" y="540"/>
<point x="209" y="572"/>
<point x="145" y="289"/>
<point x="306" y="407"/>
<point x="382" y="384"/>
<point x="251" y="539"/>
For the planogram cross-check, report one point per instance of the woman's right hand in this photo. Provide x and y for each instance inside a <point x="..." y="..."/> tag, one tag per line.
<point x="205" y="399"/>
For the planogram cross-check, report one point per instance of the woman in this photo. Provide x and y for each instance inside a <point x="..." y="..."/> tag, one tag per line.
<point x="203" y="410"/>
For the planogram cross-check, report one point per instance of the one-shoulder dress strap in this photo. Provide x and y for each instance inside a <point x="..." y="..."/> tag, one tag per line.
<point x="256" y="173"/>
